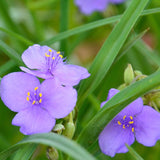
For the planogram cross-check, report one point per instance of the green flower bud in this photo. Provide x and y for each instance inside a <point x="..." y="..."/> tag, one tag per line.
<point x="58" y="128"/>
<point x="52" y="153"/>
<point x="69" y="130"/>
<point x="128" y="74"/>
<point x="137" y="73"/>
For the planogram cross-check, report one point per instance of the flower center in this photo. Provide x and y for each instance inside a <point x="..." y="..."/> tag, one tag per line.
<point x="52" y="59"/>
<point x="127" y="122"/>
<point x="34" y="97"/>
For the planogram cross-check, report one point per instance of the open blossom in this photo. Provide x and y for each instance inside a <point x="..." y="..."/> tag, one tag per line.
<point x="38" y="105"/>
<point x="89" y="6"/>
<point x="47" y="63"/>
<point x="134" y="121"/>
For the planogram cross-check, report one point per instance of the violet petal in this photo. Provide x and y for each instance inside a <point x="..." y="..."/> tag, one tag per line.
<point x="34" y="120"/>
<point x="14" y="89"/>
<point x="147" y="129"/>
<point x="58" y="100"/>
<point x="113" y="138"/>
<point x="70" y="75"/>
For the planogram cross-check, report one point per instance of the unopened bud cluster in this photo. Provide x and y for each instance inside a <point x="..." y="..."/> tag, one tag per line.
<point x="151" y="98"/>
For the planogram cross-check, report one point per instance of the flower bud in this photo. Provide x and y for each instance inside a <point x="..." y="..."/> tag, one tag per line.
<point x="58" y="128"/>
<point x="137" y="73"/>
<point x="128" y="74"/>
<point x="52" y="153"/>
<point x="69" y="130"/>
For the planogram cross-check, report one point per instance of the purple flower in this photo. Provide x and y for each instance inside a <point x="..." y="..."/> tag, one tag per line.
<point x="38" y="105"/>
<point x="89" y="6"/>
<point x="46" y="63"/>
<point x="134" y="121"/>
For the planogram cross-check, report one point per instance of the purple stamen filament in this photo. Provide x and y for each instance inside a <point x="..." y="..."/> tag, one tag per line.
<point x="127" y="122"/>
<point x="34" y="97"/>
<point x="51" y="60"/>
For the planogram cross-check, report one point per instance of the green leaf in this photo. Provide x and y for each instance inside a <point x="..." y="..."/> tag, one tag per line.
<point x="114" y="106"/>
<point x="17" y="36"/>
<point x="92" y="25"/>
<point x="6" y="67"/>
<point x="111" y="48"/>
<point x="53" y="140"/>
<point x="134" y="153"/>
<point x="25" y="152"/>
<point x="130" y="44"/>
<point x="64" y="24"/>
<point x="10" y="52"/>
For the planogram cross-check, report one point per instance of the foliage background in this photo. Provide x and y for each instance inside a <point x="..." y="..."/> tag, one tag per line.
<point x="25" y="22"/>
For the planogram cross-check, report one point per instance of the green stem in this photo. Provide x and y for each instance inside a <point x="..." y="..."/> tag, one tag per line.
<point x="64" y="23"/>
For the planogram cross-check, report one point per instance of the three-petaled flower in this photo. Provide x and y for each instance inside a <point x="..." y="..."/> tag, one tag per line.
<point x="134" y="121"/>
<point x="47" y="63"/>
<point x="89" y="6"/>
<point x="38" y="105"/>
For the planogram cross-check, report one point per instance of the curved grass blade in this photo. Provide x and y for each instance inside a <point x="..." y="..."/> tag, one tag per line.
<point x="130" y="44"/>
<point x="7" y="66"/>
<point x="114" y="106"/>
<point x="92" y="25"/>
<point x="17" y="36"/>
<point x="53" y="140"/>
<point x="10" y="52"/>
<point x="111" y="48"/>
<point x="134" y="153"/>
<point x="64" y="24"/>
<point x="25" y="152"/>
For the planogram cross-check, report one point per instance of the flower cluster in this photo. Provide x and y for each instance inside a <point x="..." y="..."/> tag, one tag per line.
<point x="135" y="121"/>
<point x="88" y="6"/>
<point x="40" y="104"/>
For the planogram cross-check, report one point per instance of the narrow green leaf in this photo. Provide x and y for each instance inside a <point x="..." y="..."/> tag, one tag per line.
<point x="92" y="25"/>
<point x="146" y="51"/>
<point x="25" y="152"/>
<point x="53" y="140"/>
<point x="111" y="48"/>
<point x="114" y="106"/>
<point x="64" y="24"/>
<point x="6" y="17"/>
<point x="17" y="36"/>
<point x="134" y="153"/>
<point x="130" y="44"/>
<point x="7" y="66"/>
<point x="10" y="52"/>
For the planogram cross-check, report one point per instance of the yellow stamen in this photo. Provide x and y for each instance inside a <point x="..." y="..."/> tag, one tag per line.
<point x="58" y="52"/>
<point x="50" y="50"/>
<point x="124" y="117"/>
<point x="33" y="102"/>
<point x="131" y="122"/>
<point x="61" y="56"/>
<point x="40" y="94"/>
<point x="40" y="101"/>
<point x="28" y="93"/>
<point x="47" y="55"/>
<point x="119" y="122"/>
<point x="27" y="98"/>
<point x="36" y="88"/>
<point x="53" y="57"/>
<point x="131" y="117"/>
<point x="133" y="129"/>
<point x="124" y="126"/>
